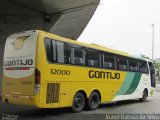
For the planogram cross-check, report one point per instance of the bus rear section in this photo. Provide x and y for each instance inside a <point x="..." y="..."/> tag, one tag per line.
<point x="20" y="77"/>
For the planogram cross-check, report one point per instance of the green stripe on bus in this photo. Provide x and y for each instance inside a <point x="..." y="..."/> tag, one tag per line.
<point x="126" y="84"/>
<point x="134" y="83"/>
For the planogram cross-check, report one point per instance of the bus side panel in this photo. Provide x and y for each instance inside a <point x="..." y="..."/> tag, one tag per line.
<point x="134" y="90"/>
<point x="70" y="84"/>
<point x="53" y="93"/>
<point x="65" y="94"/>
<point x="40" y="65"/>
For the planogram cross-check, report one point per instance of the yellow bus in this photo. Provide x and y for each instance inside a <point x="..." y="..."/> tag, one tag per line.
<point x="44" y="70"/>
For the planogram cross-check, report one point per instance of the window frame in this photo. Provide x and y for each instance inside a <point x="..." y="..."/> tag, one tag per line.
<point x="49" y="58"/>
<point x="101" y="56"/>
<point x="54" y="58"/>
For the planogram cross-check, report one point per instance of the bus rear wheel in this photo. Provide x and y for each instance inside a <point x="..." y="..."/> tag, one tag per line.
<point x="144" y="96"/>
<point x="94" y="100"/>
<point x="78" y="102"/>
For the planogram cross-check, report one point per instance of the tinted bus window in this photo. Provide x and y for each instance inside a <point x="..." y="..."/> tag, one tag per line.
<point x="152" y="75"/>
<point x="48" y="46"/>
<point x="93" y="58"/>
<point x="122" y="63"/>
<point x="60" y="52"/>
<point x="133" y="65"/>
<point x="56" y="51"/>
<point x="143" y="67"/>
<point x="77" y="55"/>
<point x="108" y="61"/>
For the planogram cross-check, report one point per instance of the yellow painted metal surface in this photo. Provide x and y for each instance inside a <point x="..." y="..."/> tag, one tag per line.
<point x="83" y="78"/>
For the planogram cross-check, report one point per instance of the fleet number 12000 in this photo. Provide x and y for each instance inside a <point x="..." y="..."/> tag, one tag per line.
<point x="60" y="72"/>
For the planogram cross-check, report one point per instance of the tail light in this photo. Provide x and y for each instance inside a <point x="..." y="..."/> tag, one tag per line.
<point x="37" y="81"/>
<point x="37" y="76"/>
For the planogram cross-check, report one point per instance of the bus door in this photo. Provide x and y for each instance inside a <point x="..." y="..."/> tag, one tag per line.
<point x="152" y="75"/>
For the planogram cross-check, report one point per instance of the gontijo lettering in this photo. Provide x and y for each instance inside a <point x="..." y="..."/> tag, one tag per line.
<point x="104" y="75"/>
<point x="18" y="62"/>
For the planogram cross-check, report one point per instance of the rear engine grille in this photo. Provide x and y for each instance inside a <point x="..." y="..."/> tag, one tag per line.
<point x="52" y="93"/>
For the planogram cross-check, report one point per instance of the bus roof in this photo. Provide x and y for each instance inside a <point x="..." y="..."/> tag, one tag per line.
<point x="92" y="45"/>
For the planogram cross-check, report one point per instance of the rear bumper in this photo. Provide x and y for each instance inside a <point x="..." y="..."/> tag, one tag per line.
<point x="22" y="100"/>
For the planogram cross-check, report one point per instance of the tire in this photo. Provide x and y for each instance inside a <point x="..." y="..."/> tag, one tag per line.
<point x="78" y="102"/>
<point x="144" y="96"/>
<point x="93" y="101"/>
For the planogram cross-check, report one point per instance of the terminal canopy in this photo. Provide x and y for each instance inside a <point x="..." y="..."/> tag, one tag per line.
<point x="67" y="18"/>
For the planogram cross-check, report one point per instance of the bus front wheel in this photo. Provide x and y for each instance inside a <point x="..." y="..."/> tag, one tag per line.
<point x="78" y="102"/>
<point x="144" y="96"/>
<point x="93" y="101"/>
